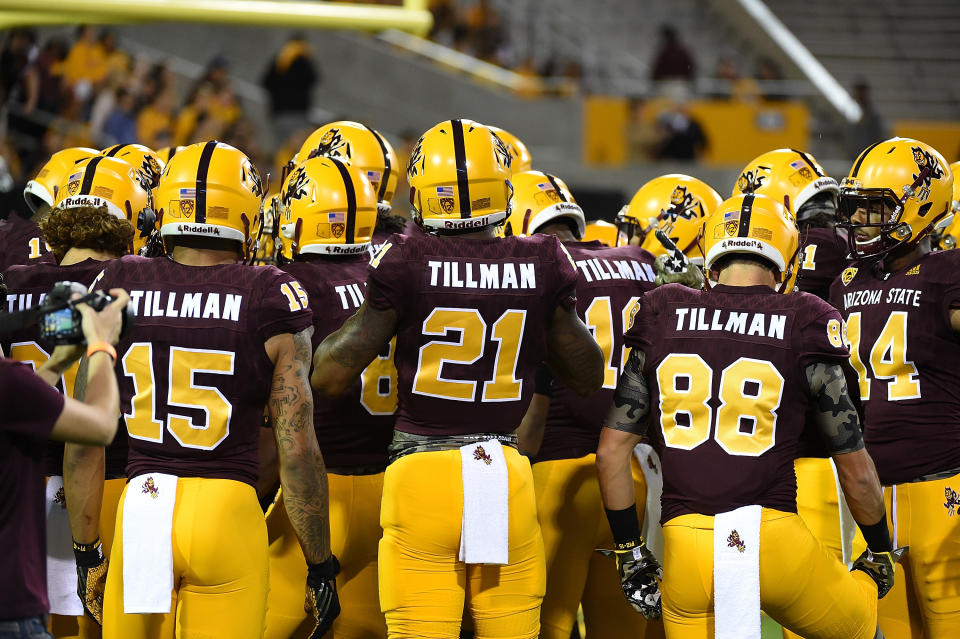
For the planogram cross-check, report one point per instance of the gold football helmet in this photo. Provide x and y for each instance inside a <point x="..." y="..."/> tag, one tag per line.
<point x="538" y="199"/>
<point x="147" y="163"/>
<point x="168" y="152"/>
<point x="328" y="208"/>
<point x="791" y="177"/>
<point x="603" y="232"/>
<point x="520" y="154"/>
<point x="209" y="189"/>
<point x="674" y="203"/>
<point x="459" y="175"/>
<point x="42" y="190"/>
<point x="753" y="224"/>
<point x="897" y="192"/>
<point x="948" y="231"/>
<point x="359" y="146"/>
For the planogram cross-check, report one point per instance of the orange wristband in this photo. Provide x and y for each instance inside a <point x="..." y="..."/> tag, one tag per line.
<point x="102" y="346"/>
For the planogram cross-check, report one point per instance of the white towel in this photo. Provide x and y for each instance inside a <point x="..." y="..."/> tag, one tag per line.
<point x="848" y="525"/>
<point x="483" y="535"/>
<point x="736" y="573"/>
<point x="61" y="566"/>
<point x="650" y="529"/>
<point x="148" y="543"/>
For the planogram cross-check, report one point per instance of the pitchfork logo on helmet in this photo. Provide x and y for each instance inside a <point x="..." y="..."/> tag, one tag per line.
<point x="504" y="157"/>
<point x="333" y="145"/>
<point x="415" y="165"/>
<point x="752" y="179"/>
<point x="296" y="186"/>
<point x="682" y="205"/>
<point x="150" y="170"/>
<point x="925" y="159"/>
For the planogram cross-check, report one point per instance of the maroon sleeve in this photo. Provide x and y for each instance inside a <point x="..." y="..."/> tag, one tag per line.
<point x="565" y="284"/>
<point x="31" y="406"/>
<point x="642" y="322"/>
<point x="386" y="282"/>
<point x="821" y="339"/>
<point x="282" y="305"/>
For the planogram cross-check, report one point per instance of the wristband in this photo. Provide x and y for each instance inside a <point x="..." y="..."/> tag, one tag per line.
<point x="88" y="555"/>
<point x="625" y="526"/>
<point x="324" y="571"/>
<point x="877" y="536"/>
<point x="543" y="381"/>
<point x="96" y="347"/>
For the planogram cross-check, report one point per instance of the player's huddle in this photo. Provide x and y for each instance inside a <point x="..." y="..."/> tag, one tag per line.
<point x="463" y="408"/>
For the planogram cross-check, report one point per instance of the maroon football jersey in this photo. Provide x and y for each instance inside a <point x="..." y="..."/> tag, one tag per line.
<point x="27" y="286"/>
<point x="21" y="242"/>
<point x="906" y="354"/>
<point x="473" y="318"/>
<point x="354" y="428"/>
<point x="30" y="410"/>
<point x="609" y="283"/>
<point x="194" y="376"/>
<point x="822" y="257"/>
<point x="726" y="367"/>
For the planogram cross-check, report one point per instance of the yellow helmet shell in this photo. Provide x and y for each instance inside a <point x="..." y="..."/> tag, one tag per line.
<point x="42" y="189"/>
<point x="674" y="203"/>
<point x="328" y="208"/>
<point x="520" y="154"/>
<point x="209" y="189"/>
<point x="538" y="199"/>
<point x="788" y="176"/>
<point x="145" y="161"/>
<point x="753" y="224"/>
<point x="459" y="175"/>
<point x="603" y="232"/>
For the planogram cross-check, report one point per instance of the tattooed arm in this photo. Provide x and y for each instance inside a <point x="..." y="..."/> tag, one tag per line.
<point x="573" y="356"/>
<point x="303" y="475"/>
<point x="625" y="424"/>
<point x="343" y="355"/>
<point x="840" y="428"/>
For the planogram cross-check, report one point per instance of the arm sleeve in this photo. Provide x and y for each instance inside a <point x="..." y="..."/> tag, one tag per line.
<point x="31" y="406"/>
<point x="386" y="281"/>
<point x="280" y="308"/>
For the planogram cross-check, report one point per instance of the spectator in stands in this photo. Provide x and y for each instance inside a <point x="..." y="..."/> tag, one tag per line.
<point x="871" y="127"/>
<point x="642" y="134"/>
<point x="681" y="136"/>
<point x="19" y="82"/>
<point x="86" y="64"/>
<point x="289" y="80"/>
<point x="672" y="61"/>
<point x="485" y="30"/>
<point x="769" y="71"/>
<point x="155" y="121"/>
<point x="120" y="126"/>
<point x="116" y="60"/>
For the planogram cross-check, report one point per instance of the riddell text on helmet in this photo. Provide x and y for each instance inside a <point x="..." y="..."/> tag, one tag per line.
<point x="464" y="224"/>
<point x="198" y="229"/>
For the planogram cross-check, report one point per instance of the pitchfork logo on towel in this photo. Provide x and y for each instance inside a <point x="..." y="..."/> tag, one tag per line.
<point x="953" y="501"/>
<point x="60" y="499"/>
<point x="149" y="488"/>
<point x="734" y="541"/>
<point x="481" y="455"/>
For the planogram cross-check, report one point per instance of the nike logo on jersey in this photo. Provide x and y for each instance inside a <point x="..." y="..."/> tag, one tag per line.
<point x="750" y="324"/>
<point x="596" y="269"/>
<point x="905" y="296"/>
<point x="449" y="274"/>
<point x="188" y="305"/>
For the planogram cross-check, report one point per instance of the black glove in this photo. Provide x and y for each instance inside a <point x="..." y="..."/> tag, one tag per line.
<point x="322" y="603"/>
<point x="91" y="577"/>
<point x="639" y="575"/>
<point x="880" y="566"/>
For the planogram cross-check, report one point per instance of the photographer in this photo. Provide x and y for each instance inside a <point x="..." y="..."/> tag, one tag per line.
<point x="33" y="412"/>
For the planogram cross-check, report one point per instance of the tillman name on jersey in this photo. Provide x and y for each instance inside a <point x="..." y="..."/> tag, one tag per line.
<point x="905" y="296"/>
<point x="480" y="275"/>
<point x="189" y="305"/>
<point x="750" y="324"/>
<point x="603" y="269"/>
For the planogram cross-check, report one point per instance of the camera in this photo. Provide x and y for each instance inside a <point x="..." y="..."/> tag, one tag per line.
<point x="60" y="322"/>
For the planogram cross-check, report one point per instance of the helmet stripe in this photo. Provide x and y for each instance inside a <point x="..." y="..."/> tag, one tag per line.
<point x="113" y="152"/>
<point x="88" y="172"/>
<point x="810" y="163"/>
<point x="556" y="187"/>
<point x="460" y="153"/>
<point x="745" y="211"/>
<point x="386" y="164"/>
<point x="203" y="169"/>
<point x="351" y="201"/>
<point x="863" y="156"/>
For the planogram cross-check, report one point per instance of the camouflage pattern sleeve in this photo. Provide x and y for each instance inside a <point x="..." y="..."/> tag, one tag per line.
<point x="282" y="305"/>
<point x="386" y="279"/>
<point x="631" y="400"/>
<point x="833" y="409"/>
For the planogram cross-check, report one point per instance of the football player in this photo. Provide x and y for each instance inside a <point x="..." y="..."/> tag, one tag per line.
<point x="328" y="213"/>
<point x="732" y="370"/>
<point x="900" y="302"/>
<point x="20" y="239"/>
<point x="610" y="282"/>
<point x="215" y="341"/>
<point x="84" y="231"/>
<point x="473" y="315"/>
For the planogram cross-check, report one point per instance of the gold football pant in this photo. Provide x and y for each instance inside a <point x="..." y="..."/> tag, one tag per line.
<point x="925" y="599"/>
<point x="802" y="586"/>
<point x="819" y="508"/>
<point x="219" y="567"/>
<point x="354" y="535"/>
<point x="84" y="627"/>
<point x="423" y="585"/>
<point x="574" y="525"/>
